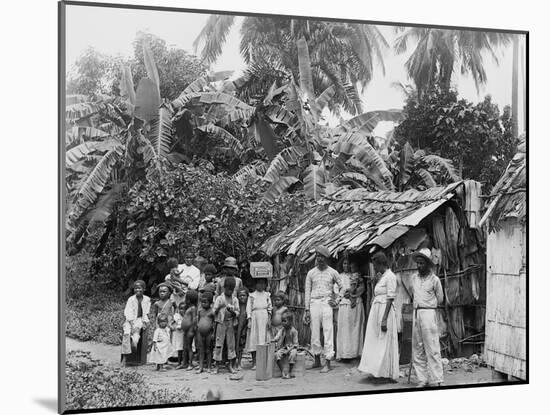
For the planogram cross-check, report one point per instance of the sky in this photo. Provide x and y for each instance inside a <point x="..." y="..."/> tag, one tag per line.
<point x="112" y="31"/>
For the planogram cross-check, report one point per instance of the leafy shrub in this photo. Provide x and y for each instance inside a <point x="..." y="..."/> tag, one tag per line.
<point x="91" y="385"/>
<point x="98" y="318"/>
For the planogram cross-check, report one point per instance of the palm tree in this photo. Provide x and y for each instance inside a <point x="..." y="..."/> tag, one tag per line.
<point x="437" y="52"/>
<point x="342" y="54"/>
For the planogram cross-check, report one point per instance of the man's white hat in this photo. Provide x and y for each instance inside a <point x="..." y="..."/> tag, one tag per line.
<point x="424" y="253"/>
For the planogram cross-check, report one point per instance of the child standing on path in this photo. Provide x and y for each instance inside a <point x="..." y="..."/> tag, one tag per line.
<point x="286" y="345"/>
<point x="205" y="331"/>
<point x="163" y="305"/>
<point x="177" y="333"/>
<point x="188" y="327"/>
<point x="242" y="326"/>
<point x="226" y="309"/>
<point x="258" y="312"/>
<point x="279" y="308"/>
<point x="162" y="348"/>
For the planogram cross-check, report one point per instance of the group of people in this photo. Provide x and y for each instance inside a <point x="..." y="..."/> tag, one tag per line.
<point x="215" y="316"/>
<point x="220" y="319"/>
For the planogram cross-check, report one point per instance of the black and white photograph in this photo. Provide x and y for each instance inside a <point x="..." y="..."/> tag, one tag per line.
<point x="259" y="207"/>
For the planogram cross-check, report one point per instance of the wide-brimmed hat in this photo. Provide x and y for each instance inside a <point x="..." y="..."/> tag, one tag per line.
<point x="323" y="250"/>
<point x="424" y="253"/>
<point x="230" y="262"/>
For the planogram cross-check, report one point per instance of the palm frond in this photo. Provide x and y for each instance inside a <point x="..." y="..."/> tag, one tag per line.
<point x="304" y="67"/>
<point x="326" y="96"/>
<point x="213" y="35"/>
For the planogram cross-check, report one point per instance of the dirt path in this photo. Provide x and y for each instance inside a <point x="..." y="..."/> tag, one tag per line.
<point x="343" y="378"/>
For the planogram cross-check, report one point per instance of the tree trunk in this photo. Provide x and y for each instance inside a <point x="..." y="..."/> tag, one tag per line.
<point x="515" y="86"/>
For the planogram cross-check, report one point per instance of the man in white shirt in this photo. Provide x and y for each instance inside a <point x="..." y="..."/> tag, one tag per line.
<point x="189" y="273"/>
<point x="318" y="306"/>
<point x="427" y="296"/>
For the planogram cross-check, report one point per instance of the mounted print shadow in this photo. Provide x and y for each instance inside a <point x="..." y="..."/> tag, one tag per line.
<point x="262" y="207"/>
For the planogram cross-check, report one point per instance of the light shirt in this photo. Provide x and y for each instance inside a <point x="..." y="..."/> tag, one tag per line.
<point x="386" y="287"/>
<point x="191" y="275"/>
<point x="320" y="284"/>
<point x="427" y="291"/>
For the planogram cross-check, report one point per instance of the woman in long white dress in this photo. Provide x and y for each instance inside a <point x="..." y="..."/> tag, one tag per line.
<point x="380" y="357"/>
<point x="351" y="318"/>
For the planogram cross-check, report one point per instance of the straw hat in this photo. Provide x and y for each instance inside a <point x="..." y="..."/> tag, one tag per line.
<point x="323" y="250"/>
<point x="424" y="253"/>
<point x="230" y="262"/>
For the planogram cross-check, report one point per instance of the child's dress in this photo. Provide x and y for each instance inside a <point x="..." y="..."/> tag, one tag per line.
<point x="162" y="348"/>
<point x="177" y="333"/>
<point x="258" y="309"/>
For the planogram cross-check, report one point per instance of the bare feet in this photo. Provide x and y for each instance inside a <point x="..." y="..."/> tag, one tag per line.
<point x="232" y="369"/>
<point x="199" y="370"/>
<point x="180" y="367"/>
<point x="190" y="367"/>
<point x="216" y="370"/>
<point x="286" y="376"/>
<point x="253" y="367"/>
<point x="326" y="368"/>
<point x="291" y="374"/>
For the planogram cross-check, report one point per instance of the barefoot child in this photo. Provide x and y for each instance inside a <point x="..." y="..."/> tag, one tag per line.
<point x="178" y="334"/>
<point x="205" y="331"/>
<point x="258" y="312"/>
<point x="279" y="308"/>
<point x="163" y="305"/>
<point x="188" y="327"/>
<point x="162" y="348"/>
<point x="286" y="345"/>
<point x="242" y="325"/>
<point x="226" y="309"/>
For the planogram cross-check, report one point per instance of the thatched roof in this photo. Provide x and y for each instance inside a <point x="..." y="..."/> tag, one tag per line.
<point x="354" y="219"/>
<point x="508" y="197"/>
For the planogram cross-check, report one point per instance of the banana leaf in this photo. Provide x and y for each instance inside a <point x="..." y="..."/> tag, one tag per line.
<point x="278" y="188"/>
<point x="150" y="66"/>
<point x="161" y="132"/>
<point x="220" y="133"/>
<point x="282" y="162"/>
<point x="314" y="181"/>
<point x="147" y="100"/>
<point x="266" y="136"/>
<point x="127" y="91"/>
<point x="406" y="160"/>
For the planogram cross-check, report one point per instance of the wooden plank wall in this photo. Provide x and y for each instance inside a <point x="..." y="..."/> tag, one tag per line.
<point x="505" y="340"/>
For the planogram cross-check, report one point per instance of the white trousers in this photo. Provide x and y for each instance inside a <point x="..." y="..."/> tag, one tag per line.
<point x="321" y="318"/>
<point x="425" y="344"/>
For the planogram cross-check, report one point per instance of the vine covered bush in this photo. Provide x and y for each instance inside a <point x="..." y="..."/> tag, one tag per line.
<point x="91" y="385"/>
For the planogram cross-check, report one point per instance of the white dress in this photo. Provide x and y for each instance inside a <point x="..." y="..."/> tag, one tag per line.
<point x="258" y="308"/>
<point x="380" y="357"/>
<point x="351" y="320"/>
<point x="162" y="349"/>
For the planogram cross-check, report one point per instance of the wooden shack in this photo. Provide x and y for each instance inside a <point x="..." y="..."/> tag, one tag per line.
<point x="357" y="222"/>
<point x="506" y="339"/>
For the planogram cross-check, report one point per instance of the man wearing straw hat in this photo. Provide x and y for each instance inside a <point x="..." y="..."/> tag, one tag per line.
<point x="427" y="295"/>
<point x="318" y="310"/>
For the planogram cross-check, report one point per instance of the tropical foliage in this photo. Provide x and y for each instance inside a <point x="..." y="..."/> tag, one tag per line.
<point x="477" y="138"/>
<point x="437" y="52"/>
<point x="343" y="55"/>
